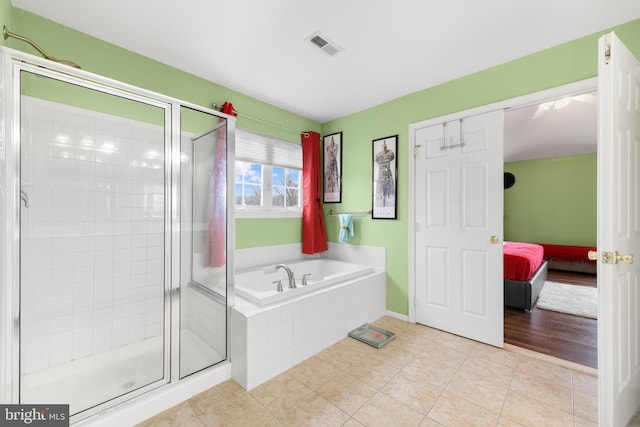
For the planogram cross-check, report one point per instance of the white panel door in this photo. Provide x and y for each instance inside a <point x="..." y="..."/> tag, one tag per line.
<point x="618" y="232"/>
<point x="459" y="226"/>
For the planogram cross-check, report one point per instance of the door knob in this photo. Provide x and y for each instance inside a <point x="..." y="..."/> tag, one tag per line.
<point x="494" y="239"/>
<point x="611" y="257"/>
<point x="624" y="258"/>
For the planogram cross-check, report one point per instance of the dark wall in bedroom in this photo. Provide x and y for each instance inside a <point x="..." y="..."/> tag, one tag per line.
<point x="552" y="201"/>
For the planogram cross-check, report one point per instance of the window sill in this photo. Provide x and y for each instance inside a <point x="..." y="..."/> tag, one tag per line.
<point x="256" y="213"/>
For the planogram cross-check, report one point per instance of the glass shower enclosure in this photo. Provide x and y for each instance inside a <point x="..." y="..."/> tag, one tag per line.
<point x="115" y="244"/>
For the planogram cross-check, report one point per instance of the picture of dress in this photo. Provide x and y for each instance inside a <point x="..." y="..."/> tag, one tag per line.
<point x="384" y="177"/>
<point x="332" y="168"/>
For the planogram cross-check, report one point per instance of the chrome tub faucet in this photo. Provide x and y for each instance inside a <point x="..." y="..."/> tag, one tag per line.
<point x="292" y="280"/>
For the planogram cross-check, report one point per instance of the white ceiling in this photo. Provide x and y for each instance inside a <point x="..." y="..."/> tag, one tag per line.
<point x="568" y="127"/>
<point x="391" y="49"/>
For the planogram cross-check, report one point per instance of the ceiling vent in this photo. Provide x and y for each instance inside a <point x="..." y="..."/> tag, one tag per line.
<point x="323" y="43"/>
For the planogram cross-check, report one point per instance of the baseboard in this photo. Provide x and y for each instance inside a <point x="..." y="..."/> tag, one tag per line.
<point x="398" y="315"/>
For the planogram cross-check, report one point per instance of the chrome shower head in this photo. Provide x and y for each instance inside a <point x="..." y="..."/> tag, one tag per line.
<point x="6" y="33"/>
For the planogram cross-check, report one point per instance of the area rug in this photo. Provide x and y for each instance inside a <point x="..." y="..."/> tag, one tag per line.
<point x="571" y="299"/>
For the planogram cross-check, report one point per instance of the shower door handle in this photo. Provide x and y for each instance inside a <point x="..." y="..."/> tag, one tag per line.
<point x="24" y="198"/>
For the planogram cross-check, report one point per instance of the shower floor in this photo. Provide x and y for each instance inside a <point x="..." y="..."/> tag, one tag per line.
<point x="93" y="380"/>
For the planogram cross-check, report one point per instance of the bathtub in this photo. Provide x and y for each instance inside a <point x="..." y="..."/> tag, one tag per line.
<point x="273" y="331"/>
<point x="256" y="284"/>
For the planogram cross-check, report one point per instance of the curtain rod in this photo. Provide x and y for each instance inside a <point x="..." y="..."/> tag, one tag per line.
<point x="219" y="108"/>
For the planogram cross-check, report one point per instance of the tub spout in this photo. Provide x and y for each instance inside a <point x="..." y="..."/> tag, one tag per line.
<point x="292" y="280"/>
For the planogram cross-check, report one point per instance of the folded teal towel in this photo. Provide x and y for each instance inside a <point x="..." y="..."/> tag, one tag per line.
<point x="346" y="228"/>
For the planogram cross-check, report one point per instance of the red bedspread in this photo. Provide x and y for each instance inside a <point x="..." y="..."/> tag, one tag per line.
<point x="567" y="253"/>
<point x="521" y="260"/>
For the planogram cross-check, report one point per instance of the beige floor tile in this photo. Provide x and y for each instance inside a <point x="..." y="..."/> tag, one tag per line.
<point x="392" y="324"/>
<point x="352" y="423"/>
<point x="543" y="389"/>
<point x="395" y="354"/>
<point x="412" y="343"/>
<point x="585" y="383"/>
<point x="428" y="422"/>
<point x="531" y="412"/>
<point x="585" y="406"/>
<point x="454" y="381"/>
<point x="280" y="393"/>
<point x="479" y="390"/>
<point x="417" y="330"/>
<point x="374" y="371"/>
<point x="383" y="410"/>
<point x="415" y="393"/>
<point x="463" y="345"/>
<point x="505" y="422"/>
<point x="489" y="371"/>
<point x="347" y="392"/>
<point x="495" y="355"/>
<point x="314" y="411"/>
<point x="341" y="354"/>
<point x="314" y="372"/>
<point x="451" y="410"/>
<point x="434" y="371"/>
<point x="226" y="388"/>
<point x="438" y="350"/>
<point x="239" y="409"/>
<point x="544" y="370"/>
<point x="179" y="416"/>
<point x="581" y="422"/>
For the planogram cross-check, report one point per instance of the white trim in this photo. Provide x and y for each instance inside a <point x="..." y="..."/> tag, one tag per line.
<point x="266" y="213"/>
<point x="398" y="316"/>
<point x="569" y="89"/>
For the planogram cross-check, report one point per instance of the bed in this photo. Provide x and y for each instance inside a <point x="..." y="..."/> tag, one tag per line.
<point x="569" y="258"/>
<point x="525" y="272"/>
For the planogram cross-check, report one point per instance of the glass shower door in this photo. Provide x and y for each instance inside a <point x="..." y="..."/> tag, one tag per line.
<point x="204" y="258"/>
<point x="93" y="311"/>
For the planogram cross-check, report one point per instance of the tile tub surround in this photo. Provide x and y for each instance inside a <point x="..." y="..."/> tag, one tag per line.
<point x="266" y="341"/>
<point x="424" y="377"/>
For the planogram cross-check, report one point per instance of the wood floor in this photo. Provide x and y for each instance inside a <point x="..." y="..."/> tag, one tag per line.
<point x="560" y="335"/>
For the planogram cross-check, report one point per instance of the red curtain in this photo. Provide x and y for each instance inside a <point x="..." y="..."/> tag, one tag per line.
<point x="314" y="234"/>
<point x="216" y="232"/>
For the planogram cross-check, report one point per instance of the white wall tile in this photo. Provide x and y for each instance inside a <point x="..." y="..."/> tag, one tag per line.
<point x="78" y="257"/>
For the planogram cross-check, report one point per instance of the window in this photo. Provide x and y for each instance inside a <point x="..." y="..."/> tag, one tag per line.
<point x="268" y="176"/>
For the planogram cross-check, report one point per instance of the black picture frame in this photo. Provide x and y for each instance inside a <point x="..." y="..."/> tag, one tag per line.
<point x="332" y="168"/>
<point x="384" y="158"/>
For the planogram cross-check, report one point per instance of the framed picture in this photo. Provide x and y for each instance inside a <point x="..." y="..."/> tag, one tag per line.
<point x="332" y="155"/>
<point x="385" y="173"/>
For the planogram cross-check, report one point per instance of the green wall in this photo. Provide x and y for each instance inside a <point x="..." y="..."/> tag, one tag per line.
<point x="552" y="201"/>
<point x="563" y="64"/>
<point x="566" y="63"/>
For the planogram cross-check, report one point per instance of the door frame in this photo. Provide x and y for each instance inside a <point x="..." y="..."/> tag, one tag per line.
<point x="570" y="89"/>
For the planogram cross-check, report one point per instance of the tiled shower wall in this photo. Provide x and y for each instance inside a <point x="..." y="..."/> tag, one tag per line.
<point x="92" y="245"/>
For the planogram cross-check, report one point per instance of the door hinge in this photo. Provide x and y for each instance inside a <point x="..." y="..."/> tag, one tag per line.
<point x="607" y="48"/>
<point x="415" y="150"/>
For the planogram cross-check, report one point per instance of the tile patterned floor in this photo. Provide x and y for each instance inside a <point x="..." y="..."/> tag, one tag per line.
<point x="424" y="377"/>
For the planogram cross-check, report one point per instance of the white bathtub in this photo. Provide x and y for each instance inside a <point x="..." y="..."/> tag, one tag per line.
<point x="256" y="285"/>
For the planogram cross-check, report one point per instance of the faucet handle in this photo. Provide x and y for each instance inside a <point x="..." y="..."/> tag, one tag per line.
<point x="304" y="279"/>
<point x="279" y="285"/>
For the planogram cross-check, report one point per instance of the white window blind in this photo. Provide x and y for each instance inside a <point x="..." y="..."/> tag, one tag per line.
<point x="256" y="148"/>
